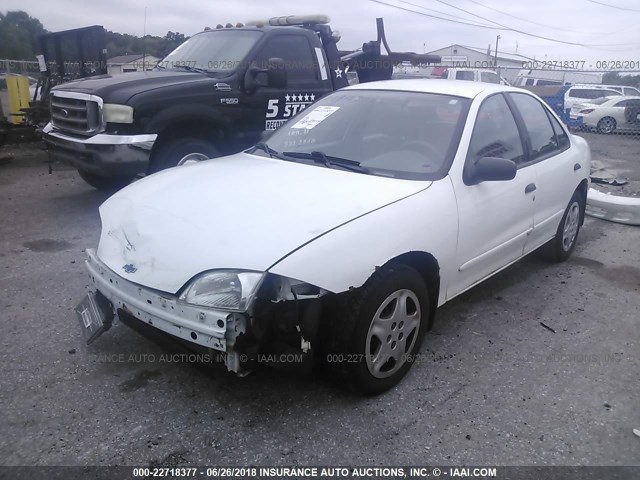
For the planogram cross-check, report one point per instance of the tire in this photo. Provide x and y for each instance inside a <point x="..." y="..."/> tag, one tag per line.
<point x="176" y="151"/>
<point x="372" y="362"/>
<point x="562" y="245"/>
<point x="607" y="125"/>
<point x="105" y="184"/>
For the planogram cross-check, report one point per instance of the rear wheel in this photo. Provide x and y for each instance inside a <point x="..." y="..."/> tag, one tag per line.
<point x="105" y="183"/>
<point x="182" y="151"/>
<point x="561" y="246"/>
<point x="607" y="125"/>
<point x="375" y="337"/>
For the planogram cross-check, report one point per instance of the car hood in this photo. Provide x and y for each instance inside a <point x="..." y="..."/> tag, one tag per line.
<point x="121" y="87"/>
<point x="239" y="212"/>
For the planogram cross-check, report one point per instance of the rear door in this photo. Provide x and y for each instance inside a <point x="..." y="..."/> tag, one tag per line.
<point x="557" y="172"/>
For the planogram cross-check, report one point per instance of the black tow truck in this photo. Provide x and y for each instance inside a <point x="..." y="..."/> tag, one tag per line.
<point x="213" y="95"/>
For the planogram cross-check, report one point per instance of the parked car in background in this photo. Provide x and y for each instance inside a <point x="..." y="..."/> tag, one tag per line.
<point x="546" y="77"/>
<point x="345" y="232"/>
<point x="449" y="73"/>
<point x="609" y="114"/>
<point x="583" y="93"/>
<point x="624" y="90"/>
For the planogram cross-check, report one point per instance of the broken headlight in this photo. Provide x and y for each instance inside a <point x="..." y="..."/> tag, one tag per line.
<point x="224" y="289"/>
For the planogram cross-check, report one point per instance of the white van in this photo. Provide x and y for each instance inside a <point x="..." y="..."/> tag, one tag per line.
<point x="470" y="74"/>
<point x="582" y="93"/>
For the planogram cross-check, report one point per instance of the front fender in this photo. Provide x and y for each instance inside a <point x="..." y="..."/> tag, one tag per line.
<point x="347" y="256"/>
<point x="172" y="116"/>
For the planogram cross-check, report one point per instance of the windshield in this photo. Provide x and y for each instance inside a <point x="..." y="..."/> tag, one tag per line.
<point x="389" y="133"/>
<point x="215" y="51"/>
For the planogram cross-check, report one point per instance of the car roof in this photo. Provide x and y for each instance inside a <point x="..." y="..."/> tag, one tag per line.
<point x="596" y="85"/>
<point x="458" y="88"/>
<point x="622" y="97"/>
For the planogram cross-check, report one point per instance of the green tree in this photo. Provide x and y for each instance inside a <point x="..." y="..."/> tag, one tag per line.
<point x="18" y="35"/>
<point x="615" y="78"/>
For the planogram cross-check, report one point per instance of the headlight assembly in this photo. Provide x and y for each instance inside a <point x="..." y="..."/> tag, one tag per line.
<point x="114" y="113"/>
<point x="224" y="289"/>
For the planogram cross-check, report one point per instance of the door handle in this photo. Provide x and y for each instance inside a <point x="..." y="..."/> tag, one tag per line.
<point x="530" y="188"/>
<point x="576" y="167"/>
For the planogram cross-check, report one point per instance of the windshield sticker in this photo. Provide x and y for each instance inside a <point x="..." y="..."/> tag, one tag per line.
<point x="315" y="117"/>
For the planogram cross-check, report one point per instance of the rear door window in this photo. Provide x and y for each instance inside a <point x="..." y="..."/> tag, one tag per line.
<point x="489" y="77"/>
<point x="464" y="75"/>
<point x="536" y="121"/>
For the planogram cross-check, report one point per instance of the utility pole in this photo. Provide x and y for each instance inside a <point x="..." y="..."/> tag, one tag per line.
<point x="495" y="55"/>
<point x="144" y="41"/>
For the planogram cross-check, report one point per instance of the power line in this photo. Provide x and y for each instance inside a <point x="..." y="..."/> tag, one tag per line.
<point x="533" y="34"/>
<point x="438" y="11"/>
<point x="436" y="17"/>
<point x="503" y="27"/>
<point x="614" y="6"/>
<point x="530" y="21"/>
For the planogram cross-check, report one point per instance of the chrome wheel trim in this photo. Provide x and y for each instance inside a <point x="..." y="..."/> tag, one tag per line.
<point x="570" y="230"/>
<point x="392" y="333"/>
<point x="192" y="158"/>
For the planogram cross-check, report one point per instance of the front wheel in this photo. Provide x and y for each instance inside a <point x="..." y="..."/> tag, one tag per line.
<point x="104" y="183"/>
<point x="182" y="151"/>
<point x="374" y="340"/>
<point x="561" y="246"/>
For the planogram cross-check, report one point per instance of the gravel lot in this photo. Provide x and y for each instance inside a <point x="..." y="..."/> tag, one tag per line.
<point x="493" y="387"/>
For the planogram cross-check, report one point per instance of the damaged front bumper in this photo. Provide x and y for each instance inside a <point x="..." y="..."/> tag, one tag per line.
<point x="205" y="327"/>
<point x="285" y="320"/>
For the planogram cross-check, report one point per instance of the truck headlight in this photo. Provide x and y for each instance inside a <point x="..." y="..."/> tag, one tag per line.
<point x="225" y="289"/>
<point x="114" y="113"/>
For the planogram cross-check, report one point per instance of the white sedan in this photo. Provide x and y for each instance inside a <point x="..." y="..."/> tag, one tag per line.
<point x="609" y="114"/>
<point x="339" y="238"/>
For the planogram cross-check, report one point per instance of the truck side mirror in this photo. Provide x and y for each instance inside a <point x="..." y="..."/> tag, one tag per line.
<point x="274" y="76"/>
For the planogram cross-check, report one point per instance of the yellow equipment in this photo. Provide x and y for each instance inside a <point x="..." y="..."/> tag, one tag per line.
<point x="18" y="88"/>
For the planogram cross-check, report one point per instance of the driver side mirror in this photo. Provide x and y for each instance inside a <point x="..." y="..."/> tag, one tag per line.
<point x="490" y="169"/>
<point x="274" y="76"/>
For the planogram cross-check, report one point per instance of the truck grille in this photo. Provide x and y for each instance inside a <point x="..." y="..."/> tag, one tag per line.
<point x="75" y="112"/>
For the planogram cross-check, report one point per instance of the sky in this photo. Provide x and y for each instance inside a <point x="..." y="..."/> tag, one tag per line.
<point x="610" y="31"/>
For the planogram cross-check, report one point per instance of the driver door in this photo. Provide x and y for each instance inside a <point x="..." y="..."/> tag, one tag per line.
<point x="495" y="217"/>
<point x="272" y="106"/>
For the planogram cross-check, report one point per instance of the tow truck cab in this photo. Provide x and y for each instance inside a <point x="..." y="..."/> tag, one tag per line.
<point x="213" y="95"/>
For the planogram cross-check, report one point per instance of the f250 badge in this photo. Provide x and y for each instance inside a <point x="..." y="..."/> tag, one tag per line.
<point x="293" y="103"/>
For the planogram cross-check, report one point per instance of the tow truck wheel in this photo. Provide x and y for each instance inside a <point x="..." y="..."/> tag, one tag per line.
<point x="103" y="183"/>
<point x="182" y="152"/>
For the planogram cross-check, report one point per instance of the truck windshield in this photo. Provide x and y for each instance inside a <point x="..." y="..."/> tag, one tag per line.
<point x="406" y="135"/>
<point x="215" y="51"/>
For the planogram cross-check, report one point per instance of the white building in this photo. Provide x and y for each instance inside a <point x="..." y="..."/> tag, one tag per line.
<point x="131" y="63"/>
